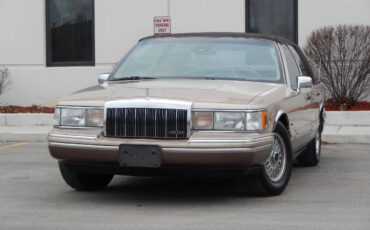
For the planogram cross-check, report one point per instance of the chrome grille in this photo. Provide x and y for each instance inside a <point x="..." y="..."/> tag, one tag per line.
<point x="146" y="122"/>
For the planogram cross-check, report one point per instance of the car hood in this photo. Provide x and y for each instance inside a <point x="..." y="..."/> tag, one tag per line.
<point x="201" y="92"/>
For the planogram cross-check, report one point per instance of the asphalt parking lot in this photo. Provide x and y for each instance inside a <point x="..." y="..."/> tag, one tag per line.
<point x="334" y="195"/>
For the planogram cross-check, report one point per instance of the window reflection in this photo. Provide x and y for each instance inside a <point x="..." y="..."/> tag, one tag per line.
<point x="272" y="17"/>
<point x="71" y="32"/>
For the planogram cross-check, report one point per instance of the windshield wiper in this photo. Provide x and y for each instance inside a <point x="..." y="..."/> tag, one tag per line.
<point x="132" y="78"/>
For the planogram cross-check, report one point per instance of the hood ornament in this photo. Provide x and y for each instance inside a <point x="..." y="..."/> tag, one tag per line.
<point x="147" y="94"/>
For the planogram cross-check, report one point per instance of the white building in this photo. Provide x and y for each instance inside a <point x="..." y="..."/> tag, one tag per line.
<point x="55" y="47"/>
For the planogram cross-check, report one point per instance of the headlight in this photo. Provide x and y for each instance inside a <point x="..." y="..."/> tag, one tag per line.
<point x="78" y="117"/>
<point x="233" y="121"/>
<point x="72" y="117"/>
<point x="229" y="120"/>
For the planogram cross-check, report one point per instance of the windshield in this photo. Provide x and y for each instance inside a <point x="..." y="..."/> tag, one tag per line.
<point x="214" y="58"/>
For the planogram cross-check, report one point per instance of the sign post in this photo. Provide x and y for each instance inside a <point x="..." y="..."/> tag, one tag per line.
<point x="162" y="25"/>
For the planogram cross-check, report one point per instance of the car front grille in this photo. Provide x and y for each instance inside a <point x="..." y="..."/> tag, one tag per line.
<point x="146" y="122"/>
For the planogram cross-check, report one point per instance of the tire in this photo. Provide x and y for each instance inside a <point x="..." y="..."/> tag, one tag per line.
<point x="259" y="182"/>
<point x="83" y="181"/>
<point x="311" y="155"/>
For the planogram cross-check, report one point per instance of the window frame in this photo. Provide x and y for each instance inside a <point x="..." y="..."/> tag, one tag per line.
<point x="49" y="61"/>
<point x="295" y="18"/>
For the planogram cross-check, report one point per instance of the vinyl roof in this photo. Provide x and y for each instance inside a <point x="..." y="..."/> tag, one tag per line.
<point x="225" y="34"/>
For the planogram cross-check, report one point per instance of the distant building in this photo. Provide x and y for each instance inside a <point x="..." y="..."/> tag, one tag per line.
<point x="55" y="47"/>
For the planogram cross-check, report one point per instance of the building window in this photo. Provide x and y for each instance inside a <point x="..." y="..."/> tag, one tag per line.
<point x="70" y="32"/>
<point x="272" y="17"/>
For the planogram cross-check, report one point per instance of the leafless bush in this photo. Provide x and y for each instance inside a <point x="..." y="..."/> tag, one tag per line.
<point x="341" y="56"/>
<point x="4" y="80"/>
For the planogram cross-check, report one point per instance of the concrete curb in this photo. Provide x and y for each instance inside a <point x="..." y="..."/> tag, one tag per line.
<point x="2" y="119"/>
<point x="347" y="127"/>
<point x="340" y="134"/>
<point x="33" y="127"/>
<point x="348" y="118"/>
<point x="26" y="119"/>
<point x="24" y="133"/>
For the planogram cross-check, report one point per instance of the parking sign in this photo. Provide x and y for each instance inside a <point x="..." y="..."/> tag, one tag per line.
<point x="162" y="25"/>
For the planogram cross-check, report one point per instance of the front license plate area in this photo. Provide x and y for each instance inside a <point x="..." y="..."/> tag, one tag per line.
<point x="148" y="156"/>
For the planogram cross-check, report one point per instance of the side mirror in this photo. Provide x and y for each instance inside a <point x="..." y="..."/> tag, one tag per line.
<point x="303" y="82"/>
<point x="103" y="78"/>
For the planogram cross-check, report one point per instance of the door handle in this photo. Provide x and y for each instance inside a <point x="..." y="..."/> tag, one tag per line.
<point x="308" y="97"/>
<point x="318" y="93"/>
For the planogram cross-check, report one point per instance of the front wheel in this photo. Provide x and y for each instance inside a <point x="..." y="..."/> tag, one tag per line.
<point x="273" y="176"/>
<point x="83" y="181"/>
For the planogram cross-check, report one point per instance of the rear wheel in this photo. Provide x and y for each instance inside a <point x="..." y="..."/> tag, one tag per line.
<point x="83" y="181"/>
<point x="311" y="155"/>
<point x="273" y="176"/>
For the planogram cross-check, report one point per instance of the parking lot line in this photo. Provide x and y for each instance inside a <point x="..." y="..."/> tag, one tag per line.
<point x="13" y="145"/>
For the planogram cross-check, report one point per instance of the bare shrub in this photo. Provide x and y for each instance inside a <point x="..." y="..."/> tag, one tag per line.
<point x="4" y="80"/>
<point x="341" y="56"/>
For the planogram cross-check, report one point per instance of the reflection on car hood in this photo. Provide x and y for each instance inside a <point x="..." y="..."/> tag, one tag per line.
<point x="197" y="91"/>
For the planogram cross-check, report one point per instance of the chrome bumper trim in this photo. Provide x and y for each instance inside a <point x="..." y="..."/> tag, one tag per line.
<point x="73" y="136"/>
<point x="82" y="146"/>
<point x="78" y="127"/>
<point x="216" y="150"/>
<point x="252" y="140"/>
<point x="171" y="150"/>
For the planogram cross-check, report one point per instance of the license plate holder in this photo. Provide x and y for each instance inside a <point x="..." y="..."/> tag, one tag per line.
<point x="146" y="156"/>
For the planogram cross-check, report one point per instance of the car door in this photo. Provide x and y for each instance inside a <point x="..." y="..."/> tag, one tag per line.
<point x="313" y="94"/>
<point x="299" y="117"/>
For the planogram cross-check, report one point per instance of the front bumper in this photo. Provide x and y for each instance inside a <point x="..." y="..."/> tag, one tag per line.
<point x="202" y="149"/>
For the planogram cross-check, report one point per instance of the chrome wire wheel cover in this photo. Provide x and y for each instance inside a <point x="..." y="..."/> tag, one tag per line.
<point x="317" y="145"/>
<point x="275" y="164"/>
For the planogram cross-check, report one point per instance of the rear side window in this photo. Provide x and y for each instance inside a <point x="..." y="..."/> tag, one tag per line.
<point x="293" y="70"/>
